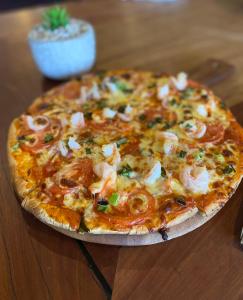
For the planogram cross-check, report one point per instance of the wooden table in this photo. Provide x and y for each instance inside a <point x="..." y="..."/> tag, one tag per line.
<point x="39" y="263"/>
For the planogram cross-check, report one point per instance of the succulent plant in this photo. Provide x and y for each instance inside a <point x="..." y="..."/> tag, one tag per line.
<point x="55" y="17"/>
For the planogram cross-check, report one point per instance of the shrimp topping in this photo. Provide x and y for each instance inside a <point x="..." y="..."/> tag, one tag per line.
<point x="87" y="93"/>
<point x="170" y="141"/>
<point x="112" y="153"/>
<point x="180" y="82"/>
<point x="163" y="91"/>
<point x="107" y="175"/>
<point x="77" y="120"/>
<point x="153" y="174"/>
<point x="195" y="179"/>
<point x="194" y="128"/>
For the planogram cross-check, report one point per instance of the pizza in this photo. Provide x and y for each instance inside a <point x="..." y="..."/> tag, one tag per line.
<point x="125" y="152"/>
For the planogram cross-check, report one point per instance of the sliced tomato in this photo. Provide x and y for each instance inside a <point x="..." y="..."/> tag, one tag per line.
<point x="131" y="148"/>
<point x="131" y="213"/>
<point x="214" y="133"/>
<point x="36" y="141"/>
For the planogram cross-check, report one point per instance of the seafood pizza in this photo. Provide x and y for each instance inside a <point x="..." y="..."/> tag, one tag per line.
<point x="125" y="152"/>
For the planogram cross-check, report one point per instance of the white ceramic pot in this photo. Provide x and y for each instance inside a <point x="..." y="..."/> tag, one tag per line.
<point x="64" y="58"/>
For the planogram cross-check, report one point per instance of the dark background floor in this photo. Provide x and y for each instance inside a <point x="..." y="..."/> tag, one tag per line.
<point x="15" y="4"/>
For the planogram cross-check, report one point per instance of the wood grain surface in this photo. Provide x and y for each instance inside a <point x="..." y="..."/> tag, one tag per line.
<point x="39" y="263"/>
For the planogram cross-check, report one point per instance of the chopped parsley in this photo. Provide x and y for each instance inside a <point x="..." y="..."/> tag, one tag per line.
<point x="123" y="87"/>
<point x="88" y="151"/>
<point x="142" y="117"/>
<point x="88" y="115"/>
<point x="163" y="172"/>
<point x="102" y="205"/>
<point x="199" y="155"/>
<point x="188" y="125"/>
<point x="228" y="169"/>
<point x="223" y="105"/>
<point x="101" y="104"/>
<point x="121" y="142"/>
<point x="173" y="102"/>
<point x="125" y="171"/>
<point x="114" y="199"/>
<point x="48" y="138"/>
<point x="181" y="201"/>
<point x="182" y="154"/>
<point x="152" y="123"/>
<point x="15" y="147"/>
<point x="121" y="109"/>
<point x="166" y="126"/>
<point x="188" y="93"/>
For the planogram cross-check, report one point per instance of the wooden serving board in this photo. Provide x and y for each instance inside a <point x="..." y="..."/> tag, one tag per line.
<point x="209" y="73"/>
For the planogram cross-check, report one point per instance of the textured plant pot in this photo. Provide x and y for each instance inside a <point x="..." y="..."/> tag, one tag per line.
<point x="63" y="58"/>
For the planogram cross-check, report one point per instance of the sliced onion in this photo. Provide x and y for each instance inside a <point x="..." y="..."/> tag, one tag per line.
<point x="37" y="123"/>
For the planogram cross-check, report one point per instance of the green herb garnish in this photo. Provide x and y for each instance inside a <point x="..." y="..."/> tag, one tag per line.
<point x="173" y="102"/>
<point x="182" y="154"/>
<point x="88" y="151"/>
<point x="123" y="87"/>
<point x="55" y="17"/>
<point x="125" y="171"/>
<point x="88" y="115"/>
<point x="163" y="172"/>
<point x="101" y="207"/>
<point x="122" y="108"/>
<point x="199" y="155"/>
<point x="228" y="169"/>
<point x="188" y="126"/>
<point x="142" y="117"/>
<point x="121" y="142"/>
<point x="101" y="104"/>
<point x="223" y="105"/>
<point x="48" y="138"/>
<point x="188" y="93"/>
<point x="166" y="126"/>
<point x="15" y="147"/>
<point x="152" y="123"/>
<point x="114" y="199"/>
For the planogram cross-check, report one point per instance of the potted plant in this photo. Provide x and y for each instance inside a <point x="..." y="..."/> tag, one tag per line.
<point x="62" y="46"/>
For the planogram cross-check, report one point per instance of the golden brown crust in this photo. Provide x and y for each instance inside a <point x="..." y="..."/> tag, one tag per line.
<point x="40" y="212"/>
<point x="19" y="183"/>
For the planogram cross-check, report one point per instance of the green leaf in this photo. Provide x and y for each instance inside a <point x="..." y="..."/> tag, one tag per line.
<point x="228" y="169"/>
<point x="142" y="117"/>
<point x="15" y="147"/>
<point x="125" y="171"/>
<point x="188" y="93"/>
<point x="102" y="207"/>
<point x="114" y="199"/>
<point x="199" y="154"/>
<point x="121" y="142"/>
<point x="55" y="17"/>
<point x="182" y="154"/>
<point x="48" y="138"/>
<point x="163" y="172"/>
<point x="88" y="151"/>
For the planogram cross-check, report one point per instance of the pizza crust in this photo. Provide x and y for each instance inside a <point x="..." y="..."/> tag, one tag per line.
<point x="19" y="182"/>
<point x="34" y="207"/>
